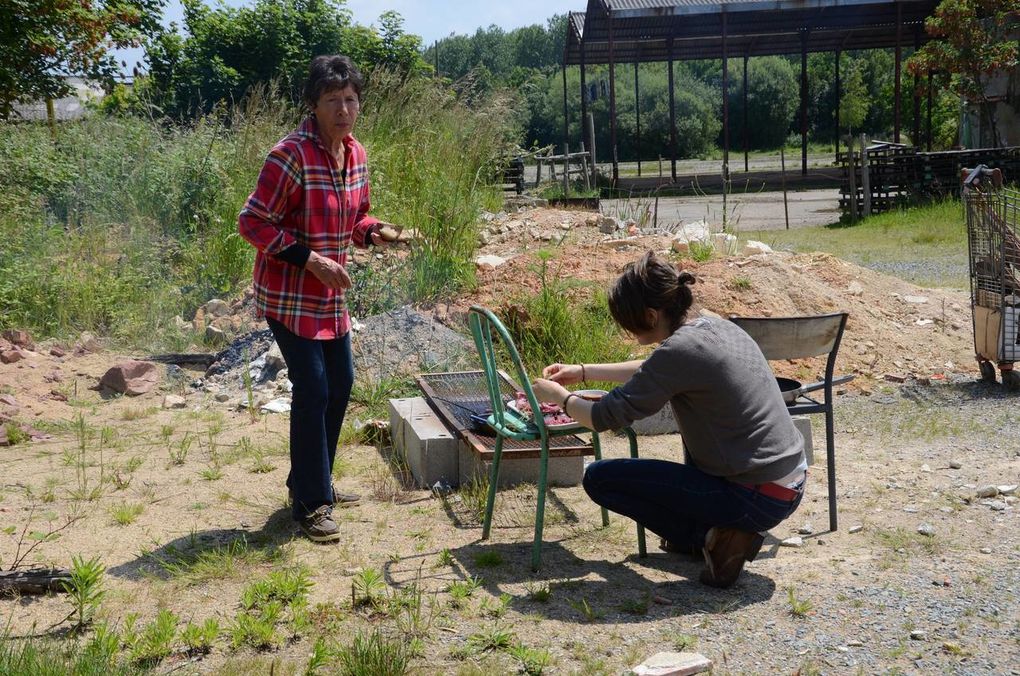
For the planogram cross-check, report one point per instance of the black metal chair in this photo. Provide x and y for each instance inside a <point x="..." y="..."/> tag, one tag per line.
<point x="799" y="338"/>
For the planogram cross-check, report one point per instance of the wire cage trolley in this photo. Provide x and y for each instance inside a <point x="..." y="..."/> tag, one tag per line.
<point x="993" y="241"/>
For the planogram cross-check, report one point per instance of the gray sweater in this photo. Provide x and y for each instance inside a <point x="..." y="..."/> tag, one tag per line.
<point x="725" y="397"/>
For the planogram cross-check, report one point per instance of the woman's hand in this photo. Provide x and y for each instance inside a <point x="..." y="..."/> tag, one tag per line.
<point x="328" y="271"/>
<point x="548" y="391"/>
<point x="564" y="374"/>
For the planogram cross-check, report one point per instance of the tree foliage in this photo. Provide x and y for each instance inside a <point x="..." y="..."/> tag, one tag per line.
<point x="226" y="50"/>
<point x="772" y="93"/>
<point x="44" y="41"/>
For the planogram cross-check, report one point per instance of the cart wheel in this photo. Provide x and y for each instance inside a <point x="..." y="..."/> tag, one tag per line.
<point x="988" y="371"/>
<point x="1011" y="379"/>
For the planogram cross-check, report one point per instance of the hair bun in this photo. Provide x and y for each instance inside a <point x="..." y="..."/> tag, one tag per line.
<point x="684" y="277"/>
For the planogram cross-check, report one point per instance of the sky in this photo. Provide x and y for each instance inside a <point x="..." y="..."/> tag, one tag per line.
<point x="431" y="19"/>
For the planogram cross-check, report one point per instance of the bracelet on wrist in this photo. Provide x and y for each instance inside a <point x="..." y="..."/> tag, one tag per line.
<point x="584" y="379"/>
<point x="565" y="400"/>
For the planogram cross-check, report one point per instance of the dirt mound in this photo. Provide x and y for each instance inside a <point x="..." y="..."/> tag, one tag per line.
<point x="896" y="330"/>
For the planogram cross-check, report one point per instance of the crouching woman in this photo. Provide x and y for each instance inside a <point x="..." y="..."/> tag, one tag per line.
<point x="746" y="466"/>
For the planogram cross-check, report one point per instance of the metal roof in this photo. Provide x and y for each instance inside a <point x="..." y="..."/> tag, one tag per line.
<point x="643" y="29"/>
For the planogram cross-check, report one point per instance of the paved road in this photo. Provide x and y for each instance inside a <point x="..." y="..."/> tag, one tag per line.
<point x="748" y="211"/>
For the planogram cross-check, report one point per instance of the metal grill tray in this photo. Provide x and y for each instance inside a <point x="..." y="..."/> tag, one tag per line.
<point x="455" y="397"/>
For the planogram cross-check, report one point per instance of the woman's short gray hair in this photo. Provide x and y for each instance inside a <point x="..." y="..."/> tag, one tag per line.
<point x="327" y="73"/>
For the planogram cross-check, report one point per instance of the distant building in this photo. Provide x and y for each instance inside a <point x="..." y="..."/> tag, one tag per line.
<point x="70" y="107"/>
<point x="1003" y="91"/>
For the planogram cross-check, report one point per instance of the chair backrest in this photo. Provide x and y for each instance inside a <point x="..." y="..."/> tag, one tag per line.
<point x="795" y="337"/>
<point x="488" y="331"/>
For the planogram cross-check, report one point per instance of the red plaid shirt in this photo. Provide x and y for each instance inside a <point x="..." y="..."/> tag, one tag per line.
<point x="303" y="198"/>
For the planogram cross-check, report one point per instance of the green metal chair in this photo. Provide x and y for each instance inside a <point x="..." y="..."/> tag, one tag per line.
<point x="488" y="331"/>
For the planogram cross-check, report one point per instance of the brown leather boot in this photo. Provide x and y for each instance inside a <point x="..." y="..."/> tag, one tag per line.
<point x="726" y="550"/>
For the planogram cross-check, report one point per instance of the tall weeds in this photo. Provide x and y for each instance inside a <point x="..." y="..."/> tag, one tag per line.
<point x="124" y="222"/>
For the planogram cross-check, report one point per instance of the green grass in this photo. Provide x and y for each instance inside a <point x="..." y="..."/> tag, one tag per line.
<point x="925" y="245"/>
<point x="194" y="565"/>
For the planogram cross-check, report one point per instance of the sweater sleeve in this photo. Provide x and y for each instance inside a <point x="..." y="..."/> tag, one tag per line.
<point x="647" y="392"/>
<point x="364" y="225"/>
<point x="277" y="193"/>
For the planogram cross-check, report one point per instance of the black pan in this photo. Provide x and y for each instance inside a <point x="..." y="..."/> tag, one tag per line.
<point x="792" y="389"/>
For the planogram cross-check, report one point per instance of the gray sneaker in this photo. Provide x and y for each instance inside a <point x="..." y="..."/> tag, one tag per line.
<point x="319" y="526"/>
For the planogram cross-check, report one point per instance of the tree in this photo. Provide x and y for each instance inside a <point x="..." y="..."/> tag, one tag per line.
<point x="856" y="102"/>
<point x="226" y="50"/>
<point x="771" y="101"/>
<point x="975" y="41"/>
<point x="42" y="42"/>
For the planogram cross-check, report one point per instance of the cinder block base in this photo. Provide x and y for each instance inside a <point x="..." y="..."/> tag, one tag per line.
<point x="662" y="422"/>
<point x="424" y="441"/>
<point x="803" y="425"/>
<point x="562" y="471"/>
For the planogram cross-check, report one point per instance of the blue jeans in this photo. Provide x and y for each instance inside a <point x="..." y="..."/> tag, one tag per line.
<point x="680" y="502"/>
<point x="322" y="372"/>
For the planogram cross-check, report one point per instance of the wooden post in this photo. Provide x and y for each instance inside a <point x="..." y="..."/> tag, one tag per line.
<point x="538" y="170"/>
<point x="566" y="170"/>
<point x="584" y="168"/>
<point x="865" y="178"/>
<point x="851" y="176"/>
<point x="591" y="138"/>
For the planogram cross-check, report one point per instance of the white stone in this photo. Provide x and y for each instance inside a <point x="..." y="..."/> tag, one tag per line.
<point x="1008" y="489"/>
<point x="215" y="336"/>
<point x="987" y="492"/>
<point x="856" y="529"/>
<point x="490" y="260"/>
<point x="689" y="233"/>
<point x="926" y="529"/>
<point x="997" y="505"/>
<point x="724" y="243"/>
<point x="806" y="529"/>
<point x="986" y="550"/>
<point x="216" y="308"/>
<point x="917" y="300"/>
<point x="855" y="289"/>
<point x="673" y="664"/>
<point x="924" y="322"/>
<point x="752" y="247"/>
<point x="955" y="464"/>
<point x="793" y="542"/>
<point x="925" y="467"/>
<point x="174" y="401"/>
<point x="918" y="635"/>
<point x="281" y="405"/>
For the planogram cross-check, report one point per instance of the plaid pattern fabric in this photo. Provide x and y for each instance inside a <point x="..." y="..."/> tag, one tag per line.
<point x="303" y="199"/>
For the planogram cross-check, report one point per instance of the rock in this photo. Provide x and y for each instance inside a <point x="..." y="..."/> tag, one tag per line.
<point x="855" y="643"/>
<point x="690" y="233"/>
<point x="483" y="238"/>
<point x="752" y="247"/>
<point x="916" y="300"/>
<point x="216" y="308"/>
<point x="987" y="492"/>
<point x="926" y="529"/>
<point x="673" y="664"/>
<point x="12" y="356"/>
<point x="174" y="401"/>
<point x="19" y="338"/>
<point x="274" y="358"/>
<point x="924" y="322"/>
<point x="856" y="529"/>
<point x="855" y="289"/>
<point x="997" y="505"/>
<point x="925" y="467"/>
<point x="955" y="464"/>
<point x="57" y="352"/>
<point x="792" y="542"/>
<point x="895" y="378"/>
<point x="1010" y="499"/>
<point x="281" y="405"/>
<point x="181" y="324"/>
<point x="1008" y="489"/>
<point x="131" y="377"/>
<point x="608" y="225"/>
<point x="724" y="243"/>
<point x="489" y="262"/>
<point x="8" y="399"/>
<point x="215" y="335"/>
<point x="88" y="343"/>
<point x="918" y="635"/>
<point x="806" y="529"/>
<point x="985" y="550"/>
<point x="222" y="397"/>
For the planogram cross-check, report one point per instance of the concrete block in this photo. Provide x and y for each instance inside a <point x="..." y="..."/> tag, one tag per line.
<point x="566" y="471"/>
<point x="803" y="425"/>
<point x="424" y="440"/>
<point x="662" y="422"/>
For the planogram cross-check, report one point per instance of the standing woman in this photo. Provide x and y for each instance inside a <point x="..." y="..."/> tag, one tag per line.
<point x="747" y="468"/>
<point x="310" y="203"/>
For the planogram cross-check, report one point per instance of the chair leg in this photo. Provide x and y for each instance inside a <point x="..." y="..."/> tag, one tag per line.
<point x="543" y="475"/>
<point x="597" y="447"/>
<point x="830" y="469"/>
<point x="490" y="501"/>
<point x="632" y="438"/>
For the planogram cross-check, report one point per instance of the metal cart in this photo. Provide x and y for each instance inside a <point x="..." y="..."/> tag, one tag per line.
<point x="993" y="240"/>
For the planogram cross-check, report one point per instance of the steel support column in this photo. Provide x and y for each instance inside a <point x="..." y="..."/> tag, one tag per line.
<point x="612" y="102"/>
<point x="838" y="101"/>
<point x="566" y="115"/>
<point x="744" y="97"/>
<point x="803" y="102"/>
<point x="725" y="100"/>
<point x="929" y="112"/>
<point x="672" y="115"/>
<point x="915" y="136"/>
<point x="637" y="115"/>
<point x="584" y="106"/>
<point x="898" y="83"/>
